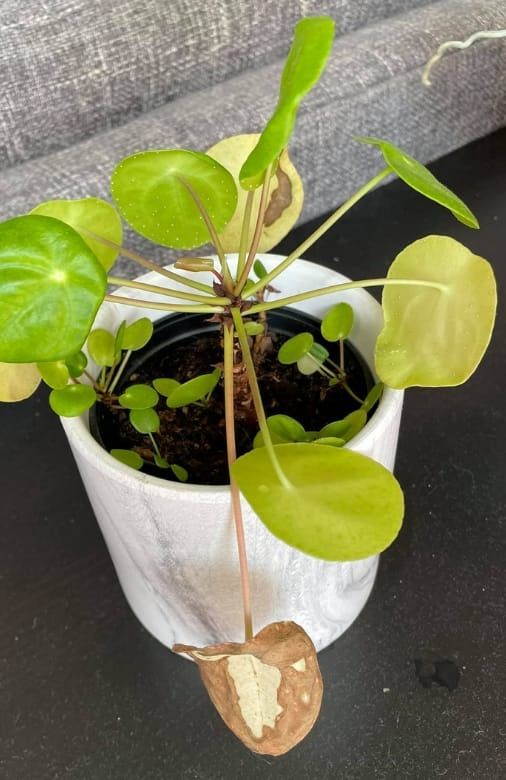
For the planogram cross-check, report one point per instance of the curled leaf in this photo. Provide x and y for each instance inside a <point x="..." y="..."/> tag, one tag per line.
<point x="18" y="381"/>
<point x="267" y="690"/>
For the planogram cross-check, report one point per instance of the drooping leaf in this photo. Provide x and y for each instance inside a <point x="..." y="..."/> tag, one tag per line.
<point x="51" y="285"/>
<point x="419" y="178"/>
<point x="283" y="429"/>
<point x="56" y="374"/>
<point x="306" y="60"/>
<point x="337" y="322"/>
<point x="92" y="214"/>
<point x="101" y="346"/>
<point x="179" y="472"/>
<point x="77" y="363"/>
<point x="144" y="420"/>
<point x="72" y="400"/>
<point x="295" y="348"/>
<point x="282" y="212"/>
<point x="435" y="337"/>
<point x="137" y="334"/>
<point x="341" y="506"/>
<point x="18" y="381"/>
<point x="346" y="428"/>
<point x="194" y="390"/>
<point x="138" y="397"/>
<point x="267" y="690"/>
<point x="151" y="190"/>
<point x="129" y="458"/>
<point x="165" y="386"/>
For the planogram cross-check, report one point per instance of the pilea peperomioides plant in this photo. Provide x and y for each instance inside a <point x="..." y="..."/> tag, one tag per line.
<point x="244" y="195"/>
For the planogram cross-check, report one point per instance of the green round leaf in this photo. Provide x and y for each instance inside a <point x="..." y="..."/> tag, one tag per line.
<point x="259" y="269"/>
<point x="56" y="374"/>
<point x="91" y="214"/>
<point x="338" y="322"/>
<point x="72" y="400"/>
<point x="51" y="285"/>
<point x="145" y="420"/>
<point x="435" y="337"/>
<point x="304" y="65"/>
<point x="341" y="506"/>
<point x="419" y="178"/>
<point x="138" y="397"/>
<point x="179" y="472"/>
<point x="283" y="429"/>
<point x="195" y="389"/>
<point x="293" y="349"/>
<point x="18" y="381"/>
<point x="129" y="458"/>
<point x="373" y="396"/>
<point x="101" y="346"/>
<point x="151" y="190"/>
<point x="77" y="363"/>
<point x="253" y="328"/>
<point x="137" y="334"/>
<point x="165" y="386"/>
<point x="332" y="441"/>
<point x="308" y="365"/>
<point x="346" y="428"/>
<point x="319" y="352"/>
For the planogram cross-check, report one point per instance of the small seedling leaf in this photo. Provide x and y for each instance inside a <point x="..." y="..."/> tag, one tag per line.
<point x="76" y="364"/>
<point x="56" y="374"/>
<point x="308" y="365"/>
<point x="101" y="347"/>
<point x="340" y="506"/>
<point x="319" y="352"/>
<point x="195" y="264"/>
<point x="436" y="337"/>
<point x="283" y="429"/>
<point x="253" y="328"/>
<point x="161" y="462"/>
<point x="196" y="389"/>
<point x="179" y="472"/>
<point x="332" y="441"/>
<point x="152" y="192"/>
<point x="51" y="285"/>
<point x="259" y="269"/>
<point x="346" y="428"/>
<point x="128" y="458"/>
<point x="165" y="386"/>
<point x="18" y="381"/>
<point x="295" y="348"/>
<point x="419" y="178"/>
<point x="373" y="396"/>
<point x="138" y="334"/>
<point x="337" y="322"/>
<point x="145" y="420"/>
<point x="139" y="397"/>
<point x="72" y="400"/>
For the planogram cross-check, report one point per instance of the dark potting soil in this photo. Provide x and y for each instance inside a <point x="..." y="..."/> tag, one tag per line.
<point x="194" y="436"/>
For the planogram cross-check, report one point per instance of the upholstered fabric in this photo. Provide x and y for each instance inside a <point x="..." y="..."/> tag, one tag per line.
<point x="73" y="68"/>
<point x="372" y="85"/>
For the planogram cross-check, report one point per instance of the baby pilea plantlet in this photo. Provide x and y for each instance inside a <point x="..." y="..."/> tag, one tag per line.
<point x="438" y="302"/>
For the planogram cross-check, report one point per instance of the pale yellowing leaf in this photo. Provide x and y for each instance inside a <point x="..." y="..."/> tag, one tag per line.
<point x="435" y="337"/>
<point x="18" y="381"/>
<point x="286" y="194"/>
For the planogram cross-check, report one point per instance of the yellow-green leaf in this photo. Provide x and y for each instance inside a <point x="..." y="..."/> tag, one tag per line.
<point x="18" y="381"/>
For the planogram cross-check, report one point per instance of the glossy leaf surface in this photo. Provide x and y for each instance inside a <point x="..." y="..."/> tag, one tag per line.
<point x="283" y="429"/>
<point x="77" y="363"/>
<point x="128" y="457"/>
<point x="72" y="400"/>
<point x="306" y="60"/>
<point x="295" y="348"/>
<point x="337" y="322"/>
<point x="346" y="428"/>
<point x="137" y="334"/>
<point x="342" y="506"/>
<point x="165" y="386"/>
<point x="151" y="190"/>
<point x="138" y="397"/>
<point x="194" y="390"/>
<point x="93" y="214"/>
<point x="101" y="346"/>
<point x="51" y="285"/>
<point x="145" y="420"/>
<point x="435" y="337"/>
<point x="18" y="381"/>
<point x="419" y="178"/>
<point x="56" y="374"/>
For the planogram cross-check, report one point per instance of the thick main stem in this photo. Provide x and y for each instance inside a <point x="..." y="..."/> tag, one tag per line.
<point x="228" y="377"/>
<point x="257" y="398"/>
<point x="258" y="307"/>
<point x="257" y="234"/>
<point x="318" y="233"/>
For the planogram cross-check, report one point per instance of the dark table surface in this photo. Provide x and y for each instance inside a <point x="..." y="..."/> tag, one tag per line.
<point x="86" y="692"/>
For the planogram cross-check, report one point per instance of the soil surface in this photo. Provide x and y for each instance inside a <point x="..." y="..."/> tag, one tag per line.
<point x="194" y="436"/>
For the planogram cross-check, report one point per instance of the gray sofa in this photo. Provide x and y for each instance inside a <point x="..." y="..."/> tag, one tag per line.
<point x="86" y="82"/>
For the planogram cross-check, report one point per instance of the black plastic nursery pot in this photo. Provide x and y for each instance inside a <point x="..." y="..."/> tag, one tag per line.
<point x="186" y="345"/>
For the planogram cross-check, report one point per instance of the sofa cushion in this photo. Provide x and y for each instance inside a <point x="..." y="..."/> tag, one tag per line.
<point x="73" y="68"/>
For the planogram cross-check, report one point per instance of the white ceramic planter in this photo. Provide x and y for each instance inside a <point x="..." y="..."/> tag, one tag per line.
<point x="173" y="545"/>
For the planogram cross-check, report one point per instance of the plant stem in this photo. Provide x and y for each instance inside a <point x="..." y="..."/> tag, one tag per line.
<point x="155" y="445"/>
<point x="153" y="288"/>
<point x="243" y="243"/>
<point x="257" y="234"/>
<point x="228" y="378"/>
<point x="120" y="370"/>
<point x="318" y="233"/>
<point x="257" y="399"/>
<point x="137" y="258"/>
<point x="227" y="277"/>
<point x="163" y="306"/>
<point x="257" y="307"/>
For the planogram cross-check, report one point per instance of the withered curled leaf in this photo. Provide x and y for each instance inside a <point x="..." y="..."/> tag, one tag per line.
<point x="280" y="198"/>
<point x="267" y="690"/>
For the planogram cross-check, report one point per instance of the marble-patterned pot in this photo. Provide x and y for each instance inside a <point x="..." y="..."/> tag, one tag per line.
<point x="173" y="545"/>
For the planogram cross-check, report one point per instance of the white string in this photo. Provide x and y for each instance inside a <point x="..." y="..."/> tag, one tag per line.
<point x="449" y="45"/>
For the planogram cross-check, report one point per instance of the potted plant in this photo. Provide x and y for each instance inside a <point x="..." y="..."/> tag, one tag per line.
<point x="311" y="496"/>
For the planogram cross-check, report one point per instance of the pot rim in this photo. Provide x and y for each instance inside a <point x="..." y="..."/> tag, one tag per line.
<point x="78" y="433"/>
